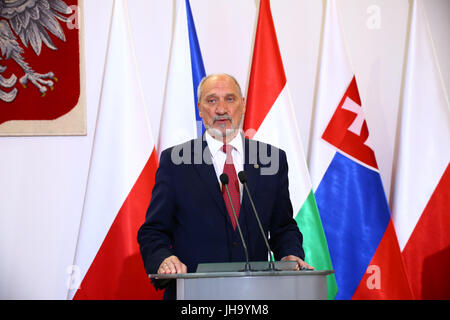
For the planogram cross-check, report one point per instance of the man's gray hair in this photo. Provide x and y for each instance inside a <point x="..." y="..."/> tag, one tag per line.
<point x="200" y="85"/>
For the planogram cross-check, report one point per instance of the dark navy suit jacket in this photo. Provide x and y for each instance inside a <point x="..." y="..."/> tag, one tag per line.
<point x="187" y="216"/>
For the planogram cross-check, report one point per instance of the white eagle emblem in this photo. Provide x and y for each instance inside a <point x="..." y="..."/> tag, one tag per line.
<point x="28" y="20"/>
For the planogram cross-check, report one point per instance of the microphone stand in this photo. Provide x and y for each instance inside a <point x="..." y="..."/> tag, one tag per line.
<point x="243" y="178"/>
<point x="224" y="180"/>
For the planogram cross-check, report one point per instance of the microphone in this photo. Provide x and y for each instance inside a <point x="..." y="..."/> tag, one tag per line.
<point x="243" y="179"/>
<point x="224" y="179"/>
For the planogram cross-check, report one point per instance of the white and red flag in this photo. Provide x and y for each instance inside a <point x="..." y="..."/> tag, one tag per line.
<point x="121" y="178"/>
<point x="421" y="193"/>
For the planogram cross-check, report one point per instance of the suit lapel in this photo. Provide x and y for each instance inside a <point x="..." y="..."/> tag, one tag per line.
<point x="204" y="167"/>
<point x="252" y="170"/>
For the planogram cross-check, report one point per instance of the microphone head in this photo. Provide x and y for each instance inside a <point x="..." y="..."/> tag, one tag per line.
<point x="224" y="178"/>
<point x="242" y="177"/>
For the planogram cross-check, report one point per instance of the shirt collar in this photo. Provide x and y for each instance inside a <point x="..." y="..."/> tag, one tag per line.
<point x="216" y="145"/>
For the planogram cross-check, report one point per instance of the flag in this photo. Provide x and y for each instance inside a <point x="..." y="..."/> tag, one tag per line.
<point x="421" y="189"/>
<point x="270" y="118"/>
<point x="120" y="181"/>
<point x="180" y="120"/>
<point x="350" y="196"/>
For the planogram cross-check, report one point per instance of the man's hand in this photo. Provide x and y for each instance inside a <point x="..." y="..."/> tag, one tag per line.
<point x="172" y="265"/>
<point x="300" y="263"/>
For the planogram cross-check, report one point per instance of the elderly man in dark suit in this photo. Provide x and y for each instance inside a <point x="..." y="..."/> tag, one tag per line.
<point x="190" y="220"/>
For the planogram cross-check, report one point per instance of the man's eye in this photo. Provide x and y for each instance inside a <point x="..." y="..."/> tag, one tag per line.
<point x="211" y="100"/>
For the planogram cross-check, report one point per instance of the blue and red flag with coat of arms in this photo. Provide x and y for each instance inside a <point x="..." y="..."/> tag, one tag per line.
<point x="354" y="210"/>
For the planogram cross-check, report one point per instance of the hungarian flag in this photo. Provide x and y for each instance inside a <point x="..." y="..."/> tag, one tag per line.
<point x="350" y="196"/>
<point x="270" y="118"/>
<point x="120" y="181"/>
<point x="180" y="120"/>
<point x="421" y="201"/>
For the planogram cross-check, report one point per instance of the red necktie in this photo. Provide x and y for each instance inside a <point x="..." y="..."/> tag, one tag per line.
<point x="233" y="185"/>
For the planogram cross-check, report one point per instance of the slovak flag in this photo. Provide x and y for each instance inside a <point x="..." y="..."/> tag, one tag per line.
<point x="180" y="120"/>
<point x="355" y="214"/>
<point x="352" y="204"/>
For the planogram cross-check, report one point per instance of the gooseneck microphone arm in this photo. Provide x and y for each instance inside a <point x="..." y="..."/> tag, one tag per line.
<point x="243" y="179"/>
<point x="224" y="179"/>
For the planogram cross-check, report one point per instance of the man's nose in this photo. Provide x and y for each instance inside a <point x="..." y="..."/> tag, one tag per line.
<point x="221" y="107"/>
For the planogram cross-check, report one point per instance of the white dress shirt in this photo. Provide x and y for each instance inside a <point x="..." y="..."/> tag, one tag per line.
<point x="219" y="157"/>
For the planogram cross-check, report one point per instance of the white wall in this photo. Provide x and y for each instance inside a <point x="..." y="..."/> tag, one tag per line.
<point x="43" y="179"/>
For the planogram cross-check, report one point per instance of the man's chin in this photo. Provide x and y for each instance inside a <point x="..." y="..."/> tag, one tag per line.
<point x="222" y="133"/>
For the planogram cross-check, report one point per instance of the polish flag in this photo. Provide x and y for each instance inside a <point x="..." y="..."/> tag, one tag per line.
<point x="107" y="263"/>
<point x="270" y="118"/>
<point x="352" y="204"/>
<point x="421" y="193"/>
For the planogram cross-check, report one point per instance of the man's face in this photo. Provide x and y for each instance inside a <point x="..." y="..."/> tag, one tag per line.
<point x="221" y="107"/>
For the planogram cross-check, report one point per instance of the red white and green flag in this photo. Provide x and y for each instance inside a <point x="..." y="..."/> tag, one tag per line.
<point x="270" y="118"/>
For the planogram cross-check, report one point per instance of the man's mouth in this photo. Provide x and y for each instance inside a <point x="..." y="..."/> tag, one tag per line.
<point x="221" y="120"/>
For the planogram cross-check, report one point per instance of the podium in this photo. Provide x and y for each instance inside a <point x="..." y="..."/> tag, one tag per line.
<point x="228" y="281"/>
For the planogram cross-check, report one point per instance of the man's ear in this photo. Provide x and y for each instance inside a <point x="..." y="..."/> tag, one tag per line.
<point x="199" y="110"/>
